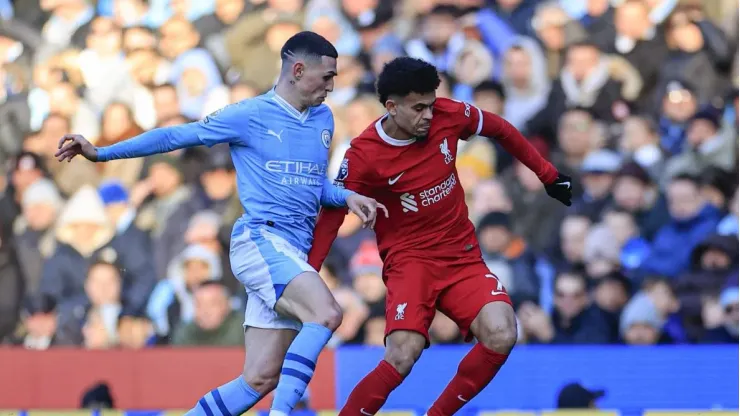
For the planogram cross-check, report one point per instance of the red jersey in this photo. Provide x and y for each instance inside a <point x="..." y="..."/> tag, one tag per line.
<point x="418" y="183"/>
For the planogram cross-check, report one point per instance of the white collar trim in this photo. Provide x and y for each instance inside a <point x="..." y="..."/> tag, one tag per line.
<point x="289" y="108"/>
<point x="388" y="139"/>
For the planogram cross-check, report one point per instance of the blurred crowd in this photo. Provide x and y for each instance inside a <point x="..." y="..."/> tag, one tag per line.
<point x="637" y="100"/>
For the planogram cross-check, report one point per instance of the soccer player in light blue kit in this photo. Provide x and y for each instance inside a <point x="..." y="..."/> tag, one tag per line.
<point x="279" y="143"/>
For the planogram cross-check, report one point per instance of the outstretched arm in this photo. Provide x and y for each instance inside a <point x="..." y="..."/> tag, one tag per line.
<point x="489" y="125"/>
<point x="223" y="126"/>
<point x="495" y="127"/>
<point x="155" y="141"/>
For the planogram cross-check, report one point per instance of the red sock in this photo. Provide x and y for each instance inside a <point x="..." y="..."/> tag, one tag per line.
<point x="476" y="370"/>
<point x="370" y="394"/>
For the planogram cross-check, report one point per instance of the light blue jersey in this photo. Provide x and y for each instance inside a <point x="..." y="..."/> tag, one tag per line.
<point x="280" y="156"/>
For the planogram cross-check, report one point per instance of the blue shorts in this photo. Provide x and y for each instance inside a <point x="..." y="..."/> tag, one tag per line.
<point x="265" y="263"/>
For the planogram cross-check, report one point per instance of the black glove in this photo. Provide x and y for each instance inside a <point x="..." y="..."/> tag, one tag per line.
<point x="561" y="189"/>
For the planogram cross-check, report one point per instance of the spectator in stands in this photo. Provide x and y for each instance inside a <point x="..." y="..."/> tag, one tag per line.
<point x="556" y="30"/>
<point x="507" y="256"/>
<point x="258" y="37"/>
<point x="63" y="99"/>
<point x="641" y="44"/>
<point x="640" y="142"/>
<point x="699" y="51"/>
<point x="166" y="104"/>
<point x="28" y="168"/>
<point x="135" y="332"/>
<point x="488" y="196"/>
<point x="441" y="39"/>
<point x="100" y="330"/>
<point x="203" y="230"/>
<point x="691" y="220"/>
<point x="575" y="140"/>
<point x="598" y="172"/>
<point x="11" y="285"/>
<point x="525" y="81"/>
<point x="575" y="396"/>
<point x="102" y="62"/>
<point x="444" y="330"/>
<point x="641" y="323"/>
<point x="705" y="146"/>
<point x="166" y="212"/>
<point x="573" y="232"/>
<point x="38" y="324"/>
<point x="679" y="104"/>
<point x="534" y="216"/>
<point x="574" y="320"/>
<point x="354" y="308"/>
<point x="366" y="269"/>
<point x="212" y="29"/>
<point x="601" y="255"/>
<point x="214" y="323"/>
<point x="717" y="187"/>
<point x="217" y="184"/>
<point x="635" y="192"/>
<point x="729" y="224"/>
<point x="118" y="124"/>
<point x="712" y="261"/>
<point x="34" y="230"/>
<point x="663" y="296"/>
<point x="374" y="327"/>
<point x="727" y="333"/>
<point x="172" y="302"/>
<point x="611" y="294"/>
<point x="84" y="235"/>
<point x="590" y="80"/>
<point x="121" y="214"/>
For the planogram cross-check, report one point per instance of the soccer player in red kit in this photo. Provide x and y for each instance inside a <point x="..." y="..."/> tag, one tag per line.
<point x="431" y="258"/>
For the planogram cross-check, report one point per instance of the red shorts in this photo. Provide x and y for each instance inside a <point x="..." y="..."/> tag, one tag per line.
<point x="417" y="287"/>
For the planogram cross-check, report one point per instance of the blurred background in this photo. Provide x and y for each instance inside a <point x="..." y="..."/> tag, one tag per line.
<point x="637" y="100"/>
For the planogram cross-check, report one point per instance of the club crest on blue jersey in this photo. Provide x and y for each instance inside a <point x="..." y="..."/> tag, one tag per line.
<point x="326" y="138"/>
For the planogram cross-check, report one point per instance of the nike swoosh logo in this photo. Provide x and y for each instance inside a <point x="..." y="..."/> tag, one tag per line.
<point x="459" y="397"/>
<point x="365" y="413"/>
<point x="394" y="180"/>
<point x="496" y="293"/>
<point x="565" y="184"/>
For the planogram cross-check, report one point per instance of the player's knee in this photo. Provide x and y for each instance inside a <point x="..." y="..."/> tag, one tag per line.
<point x="331" y="316"/>
<point x="262" y="380"/>
<point x="403" y="356"/>
<point x="500" y="337"/>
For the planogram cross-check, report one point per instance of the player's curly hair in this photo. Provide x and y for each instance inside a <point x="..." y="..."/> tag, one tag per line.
<point x="405" y="75"/>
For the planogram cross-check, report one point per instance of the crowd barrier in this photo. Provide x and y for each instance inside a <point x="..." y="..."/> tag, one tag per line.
<point x="635" y="378"/>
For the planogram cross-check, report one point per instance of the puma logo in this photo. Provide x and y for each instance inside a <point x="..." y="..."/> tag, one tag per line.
<point x="272" y="133"/>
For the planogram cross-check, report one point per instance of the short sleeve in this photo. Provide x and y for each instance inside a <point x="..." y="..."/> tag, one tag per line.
<point x="471" y="119"/>
<point x="354" y="174"/>
<point x="227" y="125"/>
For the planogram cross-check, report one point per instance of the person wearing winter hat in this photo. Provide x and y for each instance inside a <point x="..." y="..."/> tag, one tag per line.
<point x="640" y="322"/>
<point x="706" y="146"/>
